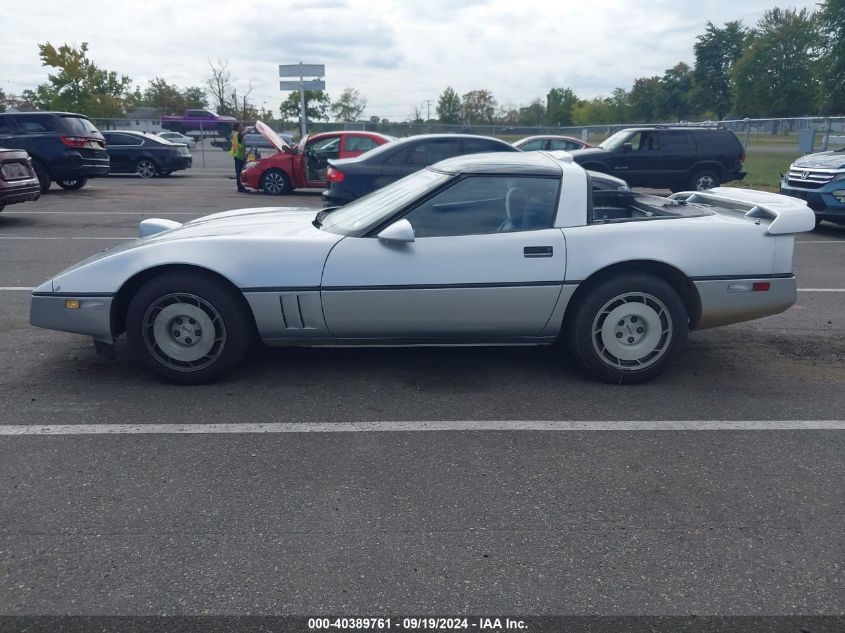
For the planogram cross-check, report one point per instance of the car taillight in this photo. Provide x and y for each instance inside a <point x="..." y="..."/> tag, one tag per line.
<point x="742" y="157"/>
<point x="335" y="175"/>
<point x="74" y="141"/>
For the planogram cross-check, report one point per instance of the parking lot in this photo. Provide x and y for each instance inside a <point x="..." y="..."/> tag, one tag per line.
<point x="421" y="480"/>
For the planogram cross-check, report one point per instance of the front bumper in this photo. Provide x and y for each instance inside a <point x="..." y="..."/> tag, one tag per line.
<point x="821" y="201"/>
<point x="726" y="301"/>
<point x="92" y="317"/>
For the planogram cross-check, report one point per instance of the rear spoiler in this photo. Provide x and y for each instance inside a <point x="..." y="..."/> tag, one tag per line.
<point x="787" y="214"/>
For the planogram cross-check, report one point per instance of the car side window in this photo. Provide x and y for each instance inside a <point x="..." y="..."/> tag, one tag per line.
<point x="479" y="205"/>
<point x="122" y="139"/>
<point x="359" y="143"/>
<point x="6" y="126"/>
<point x="647" y="141"/>
<point x="678" y="142"/>
<point x="559" y="143"/>
<point x="36" y="123"/>
<point x="480" y="146"/>
<point x="430" y="152"/>
<point x="533" y="146"/>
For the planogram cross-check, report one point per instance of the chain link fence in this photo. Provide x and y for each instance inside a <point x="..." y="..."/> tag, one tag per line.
<point x="803" y="134"/>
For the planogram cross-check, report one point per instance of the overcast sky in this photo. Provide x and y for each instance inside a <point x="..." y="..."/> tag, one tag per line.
<point x="397" y="53"/>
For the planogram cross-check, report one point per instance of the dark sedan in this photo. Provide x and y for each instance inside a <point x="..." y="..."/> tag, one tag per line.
<point x="351" y="178"/>
<point x="145" y="154"/>
<point x="18" y="180"/>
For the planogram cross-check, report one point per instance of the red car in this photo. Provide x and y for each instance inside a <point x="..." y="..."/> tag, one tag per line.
<point x="550" y="142"/>
<point x="305" y="164"/>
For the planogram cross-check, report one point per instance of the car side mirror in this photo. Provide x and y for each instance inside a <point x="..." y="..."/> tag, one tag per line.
<point x="399" y="231"/>
<point x="627" y="147"/>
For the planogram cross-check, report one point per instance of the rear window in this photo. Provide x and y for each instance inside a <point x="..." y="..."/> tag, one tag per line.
<point x="719" y="142"/>
<point x="79" y="126"/>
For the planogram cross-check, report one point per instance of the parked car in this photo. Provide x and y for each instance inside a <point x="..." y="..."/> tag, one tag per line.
<point x="65" y="147"/>
<point x="820" y="180"/>
<point x="18" y="180"/>
<point x="663" y="157"/>
<point x="478" y="249"/>
<point x="175" y="137"/>
<point x="550" y="142"/>
<point x="306" y="164"/>
<point x="199" y="121"/>
<point x="145" y="154"/>
<point x="352" y="178"/>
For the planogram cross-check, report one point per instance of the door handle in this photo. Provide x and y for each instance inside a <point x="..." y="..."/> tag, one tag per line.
<point x="538" y="251"/>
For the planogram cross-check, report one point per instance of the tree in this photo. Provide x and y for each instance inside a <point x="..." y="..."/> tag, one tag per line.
<point x="620" y="105"/>
<point x="596" y="111"/>
<point x="716" y="52"/>
<point x="643" y="99"/>
<point x="317" y="105"/>
<point x="195" y="97"/>
<point x="773" y="76"/>
<point x="349" y="106"/>
<point x="832" y="63"/>
<point x="164" y="96"/>
<point x="478" y="106"/>
<point x="449" y="106"/>
<point x="559" y="105"/>
<point x="2" y="100"/>
<point x="220" y="85"/>
<point x="79" y="85"/>
<point x="672" y="100"/>
<point x="532" y="114"/>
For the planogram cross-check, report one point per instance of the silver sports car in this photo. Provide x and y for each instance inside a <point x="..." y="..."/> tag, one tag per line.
<point x="505" y="248"/>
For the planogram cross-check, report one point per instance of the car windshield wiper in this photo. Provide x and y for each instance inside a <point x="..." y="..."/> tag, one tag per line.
<point x="318" y="221"/>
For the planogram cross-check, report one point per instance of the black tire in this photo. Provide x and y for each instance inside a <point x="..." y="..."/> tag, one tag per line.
<point x="176" y="127"/>
<point x="43" y="174"/>
<point x="146" y="168"/>
<point x="704" y="179"/>
<point x="275" y="182"/>
<point x="73" y="183"/>
<point x="191" y="303"/>
<point x="654" y="325"/>
<point x="819" y="220"/>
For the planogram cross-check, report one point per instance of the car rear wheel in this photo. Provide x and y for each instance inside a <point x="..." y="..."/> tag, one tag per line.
<point x="43" y="174"/>
<point x="704" y="179"/>
<point x="628" y="329"/>
<point x="145" y="168"/>
<point x="72" y="183"/>
<point x="275" y="182"/>
<point x="188" y="328"/>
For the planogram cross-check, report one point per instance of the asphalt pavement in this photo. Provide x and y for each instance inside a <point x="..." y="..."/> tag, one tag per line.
<point x="435" y="519"/>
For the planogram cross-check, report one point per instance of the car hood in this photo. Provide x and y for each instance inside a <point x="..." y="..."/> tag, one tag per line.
<point x="270" y="134"/>
<point x="260" y="222"/>
<point x="826" y="160"/>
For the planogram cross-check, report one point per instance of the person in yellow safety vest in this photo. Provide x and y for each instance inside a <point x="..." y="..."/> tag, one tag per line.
<point x="238" y="152"/>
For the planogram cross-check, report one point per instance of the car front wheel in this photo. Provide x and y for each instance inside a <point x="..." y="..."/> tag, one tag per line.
<point x="275" y="182"/>
<point x="145" y="168"/>
<point x="188" y="328"/>
<point x="629" y="329"/>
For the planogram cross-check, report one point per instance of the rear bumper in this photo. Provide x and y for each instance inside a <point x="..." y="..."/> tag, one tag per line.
<point x="13" y="195"/>
<point x="176" y="163"/>
<point x="726" y="301"/>
<point x="93" y="317"/>
<point x="331" y="199"/>
<point x="71" y="165"/>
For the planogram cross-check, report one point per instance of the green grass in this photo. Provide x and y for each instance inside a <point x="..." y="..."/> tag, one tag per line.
<point x="764" y="169"/>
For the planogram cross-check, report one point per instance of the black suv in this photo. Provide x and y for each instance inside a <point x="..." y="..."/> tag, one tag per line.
<point x="677" y="158"/>
<point x="64" y="147"/>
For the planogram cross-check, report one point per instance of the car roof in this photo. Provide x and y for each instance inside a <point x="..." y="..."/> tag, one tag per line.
<point x="541" y="136"/>
<point x="523" y="163"/>
<point x="695" y="128"/>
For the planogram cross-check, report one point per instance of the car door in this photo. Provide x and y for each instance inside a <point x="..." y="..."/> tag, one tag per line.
<point x="353" y="145"/>
<point x="640" y="160"/>
<point x="485" y="264"/>
<point x="680" y="153"/>
<point x="317" y="154"/>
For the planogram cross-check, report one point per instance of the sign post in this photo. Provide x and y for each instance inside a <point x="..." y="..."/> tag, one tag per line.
<point x="302" y="71"/>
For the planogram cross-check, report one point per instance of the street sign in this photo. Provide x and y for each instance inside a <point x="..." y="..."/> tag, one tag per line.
<point x="302" y="70"/>
<point x="308" y="84"/>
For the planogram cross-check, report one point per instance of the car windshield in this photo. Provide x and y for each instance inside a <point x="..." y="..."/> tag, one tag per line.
<point x="380" y="204"/>
<point x="615" y="141"/>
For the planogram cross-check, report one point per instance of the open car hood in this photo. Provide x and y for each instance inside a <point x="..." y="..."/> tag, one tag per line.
<point x="267" y="132"/>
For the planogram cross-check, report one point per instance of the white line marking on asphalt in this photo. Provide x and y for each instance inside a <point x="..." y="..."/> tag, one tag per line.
<point x="820" y="241"/>
<point x="821" y="290"/>
<point x="9" y="213"/>
<point x="411" y="426"/>
<point x="15" y="288"/>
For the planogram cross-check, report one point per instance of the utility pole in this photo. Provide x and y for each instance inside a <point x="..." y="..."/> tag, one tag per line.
<point x="428" y="103"/>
